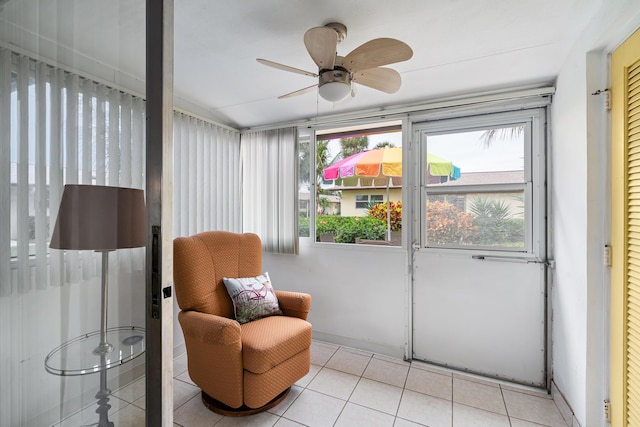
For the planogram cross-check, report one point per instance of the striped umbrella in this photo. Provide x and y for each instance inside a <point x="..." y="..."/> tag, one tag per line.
<point x="384" y="162"/>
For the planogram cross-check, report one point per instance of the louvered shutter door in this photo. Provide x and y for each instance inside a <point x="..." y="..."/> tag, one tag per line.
<point x="633" y="246"/>
<point x="625" y="275"/>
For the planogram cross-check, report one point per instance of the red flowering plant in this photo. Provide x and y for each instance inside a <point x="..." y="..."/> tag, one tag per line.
<point x="446" y="224"/>
<point x="379" y="212"/>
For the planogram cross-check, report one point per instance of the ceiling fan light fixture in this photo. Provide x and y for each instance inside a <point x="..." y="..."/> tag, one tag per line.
<point x="334" y="85"/>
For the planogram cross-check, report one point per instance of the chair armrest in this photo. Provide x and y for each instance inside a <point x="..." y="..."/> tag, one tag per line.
<point x="294" y="304"/>
<point x="214" y="355"/>
<point x="208" y="328"/>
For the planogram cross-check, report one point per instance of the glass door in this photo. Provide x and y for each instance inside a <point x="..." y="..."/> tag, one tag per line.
<point x="73" y="301"/>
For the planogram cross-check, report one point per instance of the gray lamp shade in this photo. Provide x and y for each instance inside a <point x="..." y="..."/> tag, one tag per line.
<point x="100" y="218"/>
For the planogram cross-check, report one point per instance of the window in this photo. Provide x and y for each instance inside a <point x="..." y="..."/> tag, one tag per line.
<point x="365" y="201"/>
<point x="358" y="179"/>
<point x="477" y="181"/>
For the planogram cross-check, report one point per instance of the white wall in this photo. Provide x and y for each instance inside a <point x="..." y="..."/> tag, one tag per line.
<point x="579" y="196"/>
<point x="359" y="293"/>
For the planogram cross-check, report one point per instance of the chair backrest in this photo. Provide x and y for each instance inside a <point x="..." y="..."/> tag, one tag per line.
<point x="202" y="260"/>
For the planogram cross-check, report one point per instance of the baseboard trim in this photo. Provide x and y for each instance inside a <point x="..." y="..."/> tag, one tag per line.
<point x="378" y="348"/>
<point x="563" y="406"/>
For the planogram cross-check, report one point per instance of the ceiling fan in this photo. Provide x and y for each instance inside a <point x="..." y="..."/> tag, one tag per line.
<point x="363" y="65"/>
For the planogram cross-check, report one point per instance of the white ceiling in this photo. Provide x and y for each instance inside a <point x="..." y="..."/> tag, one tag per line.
<point x="460" y="46"/>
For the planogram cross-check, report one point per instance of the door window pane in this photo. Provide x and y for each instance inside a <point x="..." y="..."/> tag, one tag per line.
<point x="475" y="188"/>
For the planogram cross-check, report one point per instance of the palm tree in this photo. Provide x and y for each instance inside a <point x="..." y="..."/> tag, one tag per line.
<point x="322" y="156"/>
<point x="509" y="133"/>
<point x="384" y="144"/>
<point x="353" y="145"/>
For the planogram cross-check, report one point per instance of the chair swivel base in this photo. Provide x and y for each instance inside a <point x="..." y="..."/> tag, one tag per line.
<point x="222" y="409"/>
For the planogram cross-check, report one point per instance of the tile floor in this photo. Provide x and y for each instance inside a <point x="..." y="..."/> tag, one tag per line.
<point x="348" y="387"/>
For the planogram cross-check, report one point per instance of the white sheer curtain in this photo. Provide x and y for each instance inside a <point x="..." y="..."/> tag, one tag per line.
<point x="269" y="162"/>
<point x="206" y="176"/>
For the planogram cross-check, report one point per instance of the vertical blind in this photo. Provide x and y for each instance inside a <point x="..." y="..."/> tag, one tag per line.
<point x="270" y="187"/>
<point x="58" y="128"/>
<point x="206" y="172"/>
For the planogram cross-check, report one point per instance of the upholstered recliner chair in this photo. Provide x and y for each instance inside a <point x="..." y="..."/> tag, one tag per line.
<point x="243" y="368"/>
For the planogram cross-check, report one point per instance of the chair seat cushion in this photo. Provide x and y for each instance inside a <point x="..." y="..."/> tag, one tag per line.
<point x="269" y="341"/>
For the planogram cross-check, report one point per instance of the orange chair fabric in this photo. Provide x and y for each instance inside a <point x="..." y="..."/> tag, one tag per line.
<point x="238" y="365"/>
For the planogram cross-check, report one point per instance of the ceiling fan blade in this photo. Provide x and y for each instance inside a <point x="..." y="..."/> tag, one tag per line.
<point x="384" y="79"/>
<point x="321" y="43"/>
<point x="298" y="92"/>
<point x="286" y="67"/>
<point x="375" y="53"/>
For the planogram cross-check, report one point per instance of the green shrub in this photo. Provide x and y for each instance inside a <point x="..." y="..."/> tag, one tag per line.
<point x="346" y="229"/>
<point x="303" y="226"/>
<point x="495" y="224"/>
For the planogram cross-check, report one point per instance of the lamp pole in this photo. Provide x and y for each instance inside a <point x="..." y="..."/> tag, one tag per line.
<point x="104" y="347"/>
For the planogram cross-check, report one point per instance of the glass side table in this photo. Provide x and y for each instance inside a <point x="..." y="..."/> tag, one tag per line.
<point x="84" y="355"/>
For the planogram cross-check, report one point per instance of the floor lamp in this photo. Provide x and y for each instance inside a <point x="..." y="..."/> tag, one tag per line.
<point x="102" y="219"/>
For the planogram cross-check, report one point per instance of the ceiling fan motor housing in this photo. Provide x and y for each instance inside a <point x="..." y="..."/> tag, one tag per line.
<point x="334" y="85"/>
<point x="337" y="75"/>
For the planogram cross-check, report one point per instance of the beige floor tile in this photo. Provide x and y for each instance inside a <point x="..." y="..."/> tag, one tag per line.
<point x="184" y="377"/>
<point x="533" y="391"/>
<point x="263" y="419"/>
<point x="405" y="423"/>
<point x="425" y="409"/>
<point x="304" y="381"/>
<point x="536" y="409"/>
<point x="515" y="422"/>
<point x="387" y="372"/>
<point x="194" y="414"/>
<point x="321" y="353"/>
<point x="392" y="359"/>
<point x="284" y="405"/>
<point x="478" y="379"/>
<point x="466" y="416"/>
<point x="128" y="416"/>
<point x="314" y="409"/>
<point x="180" y="364"/>
<point x="431" y="368"/>
<point x="132" y="392"/>
<point x="182" y="393"/>
<point x="141" y="403"/>
<point x="478" y="395"/>
<point x="377" y="395"/>
<point x="319" y="399"/>
<point x="359" y="416"/>
<point x="283" y="422"/>
<point x="334" y="383"/>
<point x="350" y="362"/>
<point x="430" y="383"/>
<point x="88" y="415"/>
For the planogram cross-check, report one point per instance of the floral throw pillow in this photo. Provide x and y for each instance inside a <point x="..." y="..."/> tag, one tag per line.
<point x="253" y="297"/>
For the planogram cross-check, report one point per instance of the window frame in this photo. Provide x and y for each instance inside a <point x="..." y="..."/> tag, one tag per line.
<point x="369" y="200"/>
<point x="533" y="186"/>
<point x="313" y="133"/>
